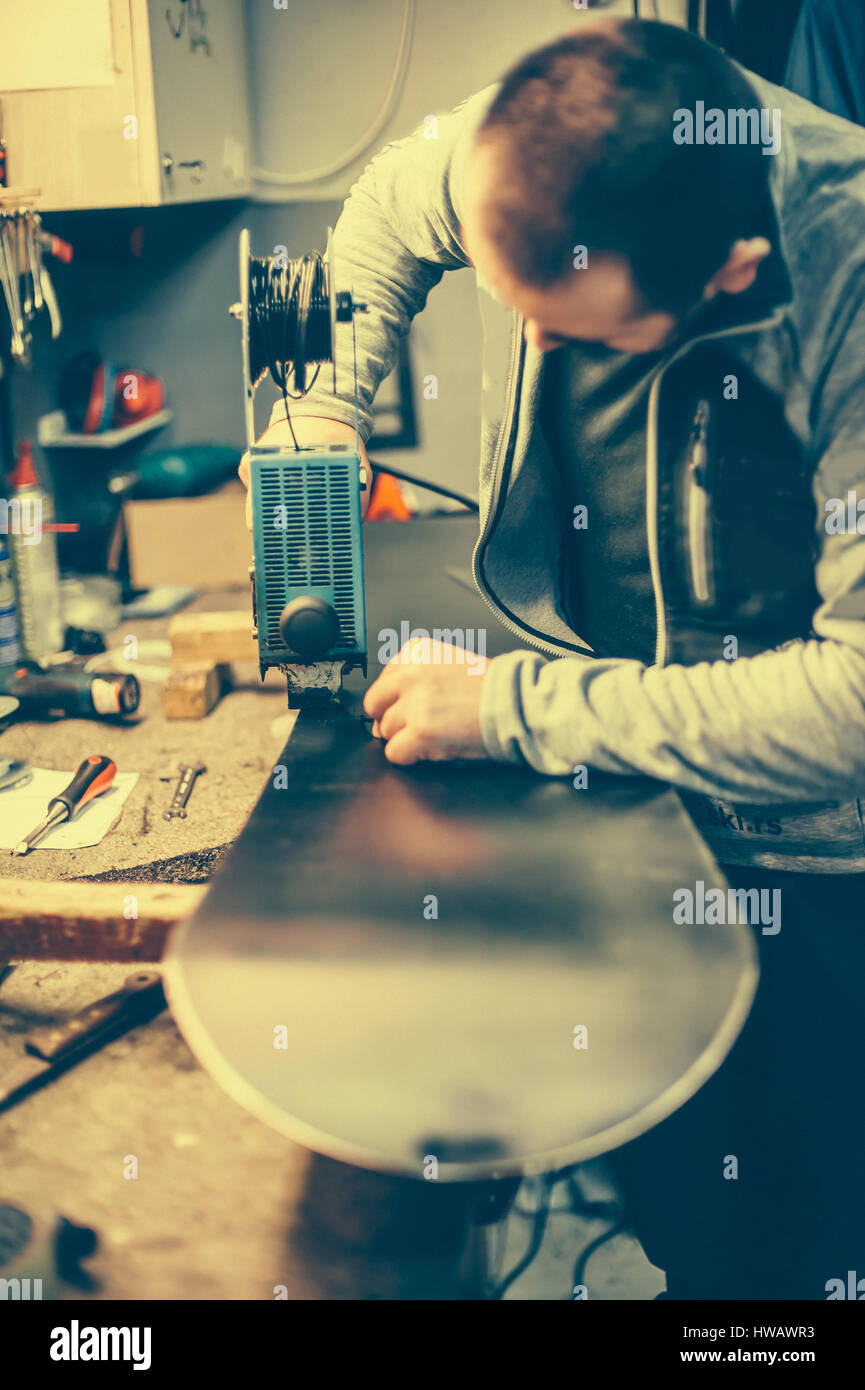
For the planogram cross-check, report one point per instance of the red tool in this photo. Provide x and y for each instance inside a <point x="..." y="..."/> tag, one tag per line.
<point x="56" y="247"/>
<point x="94" y="776"/>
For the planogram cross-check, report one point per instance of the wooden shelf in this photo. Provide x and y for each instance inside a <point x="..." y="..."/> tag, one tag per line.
<point x="52" y="433"/>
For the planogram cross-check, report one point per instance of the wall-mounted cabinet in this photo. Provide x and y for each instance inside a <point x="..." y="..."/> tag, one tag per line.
<point x="143" y="102"/>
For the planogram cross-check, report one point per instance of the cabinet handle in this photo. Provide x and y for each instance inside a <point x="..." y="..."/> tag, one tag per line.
<point x="198" y="165"/>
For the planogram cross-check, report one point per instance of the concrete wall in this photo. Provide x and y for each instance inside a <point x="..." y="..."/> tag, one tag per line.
<point x="346" y="52"/>
<point x="318" y="75"/>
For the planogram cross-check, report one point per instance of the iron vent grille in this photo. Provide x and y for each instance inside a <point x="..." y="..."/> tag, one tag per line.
<point x="307" y="544"/>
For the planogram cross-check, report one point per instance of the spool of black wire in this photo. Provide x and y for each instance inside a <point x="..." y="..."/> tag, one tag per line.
<point x="290" y="323"/>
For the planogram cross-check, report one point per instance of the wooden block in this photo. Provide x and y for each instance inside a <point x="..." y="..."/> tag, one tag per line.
<point x="191" y="691"/>
<point x="91" y="921"/>
<point x="213" y="637"/>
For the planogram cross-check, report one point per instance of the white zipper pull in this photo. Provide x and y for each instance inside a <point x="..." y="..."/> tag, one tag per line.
<point x="698" y="506"/>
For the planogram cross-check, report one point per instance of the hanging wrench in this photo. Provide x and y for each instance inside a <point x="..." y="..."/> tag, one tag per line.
<point x="12" y="253"/>
<point x="35" y="224"/>
<point x="43" y="289"/>
<point x="22" y="262"/>
<point x="33" y="258"/>
<point x="4" y="284"/>
<point x="9" y="278"/>
<point x="50" y="299"/>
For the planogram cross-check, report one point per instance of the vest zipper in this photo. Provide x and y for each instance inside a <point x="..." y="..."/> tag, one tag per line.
<point x="505" y="435"/>
<point x="507" y="421"/>
<point x="491" y="509"/>
<point x="661" y="642"/>
<point x="699" y="508"/>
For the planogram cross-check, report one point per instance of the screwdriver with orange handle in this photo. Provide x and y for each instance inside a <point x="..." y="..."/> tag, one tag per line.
<point x="94" y="776"/>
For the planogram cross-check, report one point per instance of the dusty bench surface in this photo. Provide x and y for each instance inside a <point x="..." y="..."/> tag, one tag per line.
<point x="178" y="1231"/>
<point x="235" y="741"/>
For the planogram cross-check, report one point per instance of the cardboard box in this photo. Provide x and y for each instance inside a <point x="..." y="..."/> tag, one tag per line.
<point x="199" y="541"/>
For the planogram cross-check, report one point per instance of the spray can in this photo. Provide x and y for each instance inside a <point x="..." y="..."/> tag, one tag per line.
<point x="10" y="647"/>
<point x="34" y="560"/>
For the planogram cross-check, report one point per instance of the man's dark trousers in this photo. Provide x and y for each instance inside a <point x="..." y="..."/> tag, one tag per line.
<point x="785" y="1113"/>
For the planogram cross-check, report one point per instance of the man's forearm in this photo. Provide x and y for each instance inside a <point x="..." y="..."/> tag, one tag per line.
<point x="396" y="235"/>
<point x="783" y="726"/>
<point x="371" y="261"/>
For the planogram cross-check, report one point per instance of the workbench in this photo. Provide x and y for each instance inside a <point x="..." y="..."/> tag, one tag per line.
<point x="63" y="1148"/>
<point x="223" y="1205"/>
<point x="149" y="744"/>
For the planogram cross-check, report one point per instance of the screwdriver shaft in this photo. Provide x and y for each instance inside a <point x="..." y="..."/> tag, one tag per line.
<point x="93" y="777"/>
<point x="57" y="816"/>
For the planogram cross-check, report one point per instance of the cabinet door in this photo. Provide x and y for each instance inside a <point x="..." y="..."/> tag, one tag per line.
<point x="198" y="52"/>
<point x="85" y="139"/>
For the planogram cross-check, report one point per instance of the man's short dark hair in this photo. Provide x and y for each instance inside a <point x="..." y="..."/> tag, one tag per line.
<point x="586" y="127"/>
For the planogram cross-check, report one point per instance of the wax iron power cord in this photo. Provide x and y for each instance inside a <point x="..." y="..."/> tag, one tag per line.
<point x="578" y="1205"/>
<point x="470" y="503"/>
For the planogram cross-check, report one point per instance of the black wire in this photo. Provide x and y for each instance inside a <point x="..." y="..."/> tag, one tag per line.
<point x="541" y="1217"/>
<point x="579" y="1205"/>
<point x="586" y="1207"/>
<point x="289" y="324"/>
<point x="589" y="1250"/>
<point x="592" y="1211"/>
<point x="288" y="422"/>
<point x="469" y="502"/>
<point x="499" y="1249"/>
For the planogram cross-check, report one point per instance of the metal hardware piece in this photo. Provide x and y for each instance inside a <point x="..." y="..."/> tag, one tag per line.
<point x="183" y="790"/>
<point x="198" y="165"/>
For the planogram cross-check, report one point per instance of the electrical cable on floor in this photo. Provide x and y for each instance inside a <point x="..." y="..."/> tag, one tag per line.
<point x="541" y="1216"/>
<point x="592" y="1211"/>
<point x="580" y="1267"/>
<point x="583" y="1206"/>
<point x="579" y="1205"/>
<point x="497" y="1258"/>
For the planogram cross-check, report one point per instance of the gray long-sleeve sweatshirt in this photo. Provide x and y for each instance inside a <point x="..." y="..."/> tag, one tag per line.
<point x="772" y="740"/>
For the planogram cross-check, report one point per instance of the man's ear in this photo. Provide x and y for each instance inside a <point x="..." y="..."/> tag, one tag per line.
<point x="739" y="271"/>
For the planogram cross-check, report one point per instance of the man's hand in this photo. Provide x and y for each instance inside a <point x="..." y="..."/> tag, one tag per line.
<point x="426" y="703"/>
<point x="308" y="429"/>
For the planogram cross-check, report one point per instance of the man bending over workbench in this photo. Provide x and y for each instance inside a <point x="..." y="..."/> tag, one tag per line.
<point x="671" y="259"/>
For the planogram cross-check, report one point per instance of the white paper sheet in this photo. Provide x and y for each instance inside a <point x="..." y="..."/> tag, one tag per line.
<point x="22" y="808"/>
<point x="54" y="44"/>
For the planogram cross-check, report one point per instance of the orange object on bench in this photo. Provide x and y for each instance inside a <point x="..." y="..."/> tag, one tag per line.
<point x="387" y="502"/>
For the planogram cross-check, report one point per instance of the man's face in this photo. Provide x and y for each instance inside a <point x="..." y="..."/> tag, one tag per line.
<point x="599" y="303"/>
